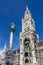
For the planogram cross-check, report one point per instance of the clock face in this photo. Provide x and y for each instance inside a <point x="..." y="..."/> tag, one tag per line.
<point x="26" y="42"/>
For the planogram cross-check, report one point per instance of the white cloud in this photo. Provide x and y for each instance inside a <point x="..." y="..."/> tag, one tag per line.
<point x="1" y="53"/>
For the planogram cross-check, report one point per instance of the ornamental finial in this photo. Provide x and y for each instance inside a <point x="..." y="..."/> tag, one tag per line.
<point x="12" y="25"/>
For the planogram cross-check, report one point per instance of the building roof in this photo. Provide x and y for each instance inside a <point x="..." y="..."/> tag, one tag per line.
<point x="40" y="43"/>
<point x="18" y="51"/>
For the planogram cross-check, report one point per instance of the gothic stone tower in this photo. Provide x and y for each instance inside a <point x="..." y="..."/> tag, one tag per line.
<point x="28" y="39"/>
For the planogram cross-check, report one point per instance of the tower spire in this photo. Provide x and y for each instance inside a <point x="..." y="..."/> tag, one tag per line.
<point x="4" y="51"/>
<point x="27" y="13"/>
<point x="27" y="8"/>
<point x="5" y="46"/>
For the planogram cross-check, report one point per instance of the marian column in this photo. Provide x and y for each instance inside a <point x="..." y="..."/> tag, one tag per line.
<point x="11" y="35"/>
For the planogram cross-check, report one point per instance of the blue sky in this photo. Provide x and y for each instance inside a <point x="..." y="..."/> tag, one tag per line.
<point x="13" y="11"/>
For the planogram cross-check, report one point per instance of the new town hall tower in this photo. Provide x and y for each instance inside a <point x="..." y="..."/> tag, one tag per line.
<point x="28" y="40"/>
